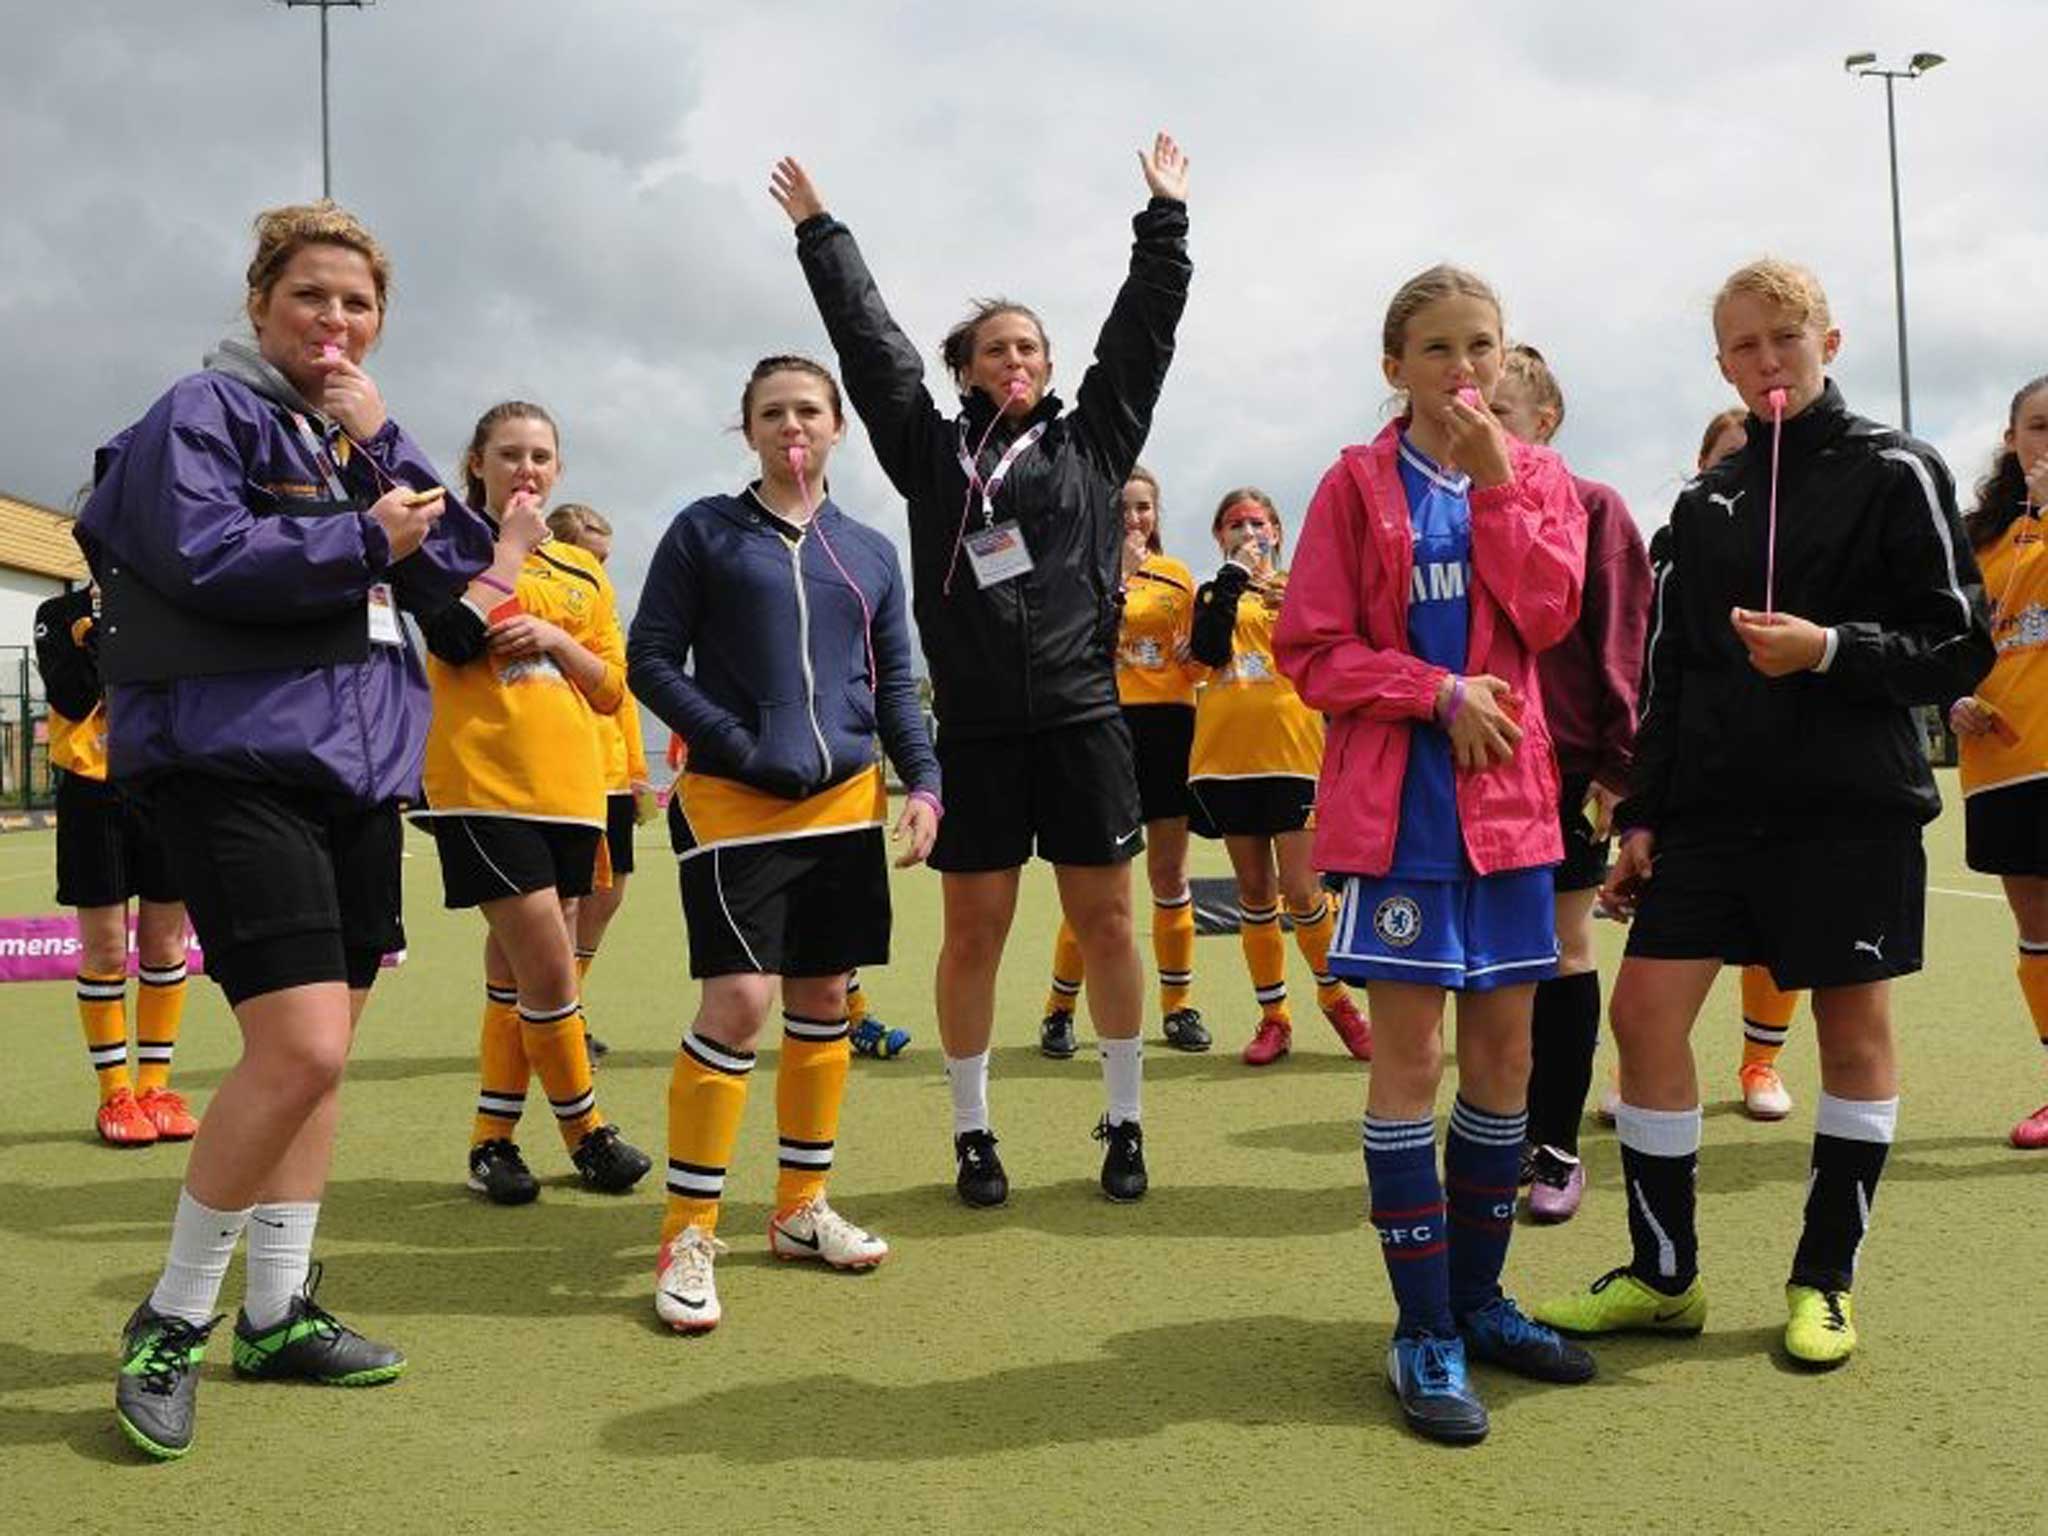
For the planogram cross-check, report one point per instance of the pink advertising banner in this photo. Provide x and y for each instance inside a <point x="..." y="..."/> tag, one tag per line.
<point x="46" y="948"/>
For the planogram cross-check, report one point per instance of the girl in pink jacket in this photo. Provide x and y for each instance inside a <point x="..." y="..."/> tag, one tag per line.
<point x="1437" y="561"/>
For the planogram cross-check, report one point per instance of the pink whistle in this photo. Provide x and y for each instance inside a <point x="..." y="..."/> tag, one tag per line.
<point x="329" y="352"/>
<point x="1776" y="398"/>
<point x="1019" y="389"/>
<point x="1469" y="397"/>
<point x="797" y="455"/>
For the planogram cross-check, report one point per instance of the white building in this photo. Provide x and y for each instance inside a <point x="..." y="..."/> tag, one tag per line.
<point x="38" y="559"/>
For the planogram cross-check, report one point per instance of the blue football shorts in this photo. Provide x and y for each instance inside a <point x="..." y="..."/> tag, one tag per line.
<point x="1469" y="935"/>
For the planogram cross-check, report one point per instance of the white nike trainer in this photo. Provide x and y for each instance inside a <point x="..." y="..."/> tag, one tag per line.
<point x="815" y="1231"/>
<point x="685" y="1291"/>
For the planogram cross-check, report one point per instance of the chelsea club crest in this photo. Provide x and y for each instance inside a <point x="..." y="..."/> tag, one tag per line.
<point x="1397" y="921"/>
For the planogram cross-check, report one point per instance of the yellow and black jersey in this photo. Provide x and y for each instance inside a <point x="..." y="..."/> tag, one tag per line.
<point x="1152" y="665"/>
<point x="708" y="812"/>
<point x="2015" y="569"/>
<point x="518" y="738"/>
<point x="1249" y="721"/>
<point x="67" y="656"/>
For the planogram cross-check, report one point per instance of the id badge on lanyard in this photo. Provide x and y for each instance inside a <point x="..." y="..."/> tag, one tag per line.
<point x="383" y="603"/>
<point x="997" y="551"/>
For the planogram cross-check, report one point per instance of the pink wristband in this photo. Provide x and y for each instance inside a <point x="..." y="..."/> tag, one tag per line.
<point x="486" y="579"/>
<point x="1448" y="711"/>
<point x="930" y="799"/>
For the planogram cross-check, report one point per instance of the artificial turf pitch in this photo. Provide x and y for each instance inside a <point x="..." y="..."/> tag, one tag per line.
<point x="1211" y="1359"/>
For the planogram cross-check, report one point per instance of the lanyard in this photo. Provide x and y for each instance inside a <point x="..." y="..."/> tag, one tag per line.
<point x="321" y="457"/>
<point x="1004" y="465"/>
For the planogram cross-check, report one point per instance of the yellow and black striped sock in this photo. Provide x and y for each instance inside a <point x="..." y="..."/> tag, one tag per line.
<point x="856" y="1000"/>
<point x="554" y="1044"/>
<point x="1313" y="931"/>
<point x="1766" y="1017"/>
<point x="585" y="959"/>
<point x="1173" y="949"/>
<point x="159" y="1011"/>
<point x="502" y="1068"/>
<point x="707" y="1095"/>
<point x="1068" y="971"/>
<point x="2034" y="984"/>
<point x="810" y="1085"/>
<point x="103" y="1010"/>
<point x="1265" y="957"/>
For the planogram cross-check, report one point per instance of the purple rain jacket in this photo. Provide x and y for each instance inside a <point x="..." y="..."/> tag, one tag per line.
<point x="216" y="502"/>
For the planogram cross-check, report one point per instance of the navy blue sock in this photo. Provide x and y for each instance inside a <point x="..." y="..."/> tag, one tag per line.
<point x="1408" y="1209"/>
<point x="1482" y="1155"/>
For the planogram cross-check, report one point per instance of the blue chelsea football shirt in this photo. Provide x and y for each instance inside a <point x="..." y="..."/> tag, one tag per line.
<point x="1428" y="845"/>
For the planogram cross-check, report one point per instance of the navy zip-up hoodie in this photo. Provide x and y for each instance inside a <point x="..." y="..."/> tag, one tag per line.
<point x="756" y="651"/>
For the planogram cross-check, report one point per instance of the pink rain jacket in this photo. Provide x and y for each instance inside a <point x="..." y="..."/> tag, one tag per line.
<point x="1343" y="640"/>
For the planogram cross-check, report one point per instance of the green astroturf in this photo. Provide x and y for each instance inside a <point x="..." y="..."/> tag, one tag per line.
<point x="1209" y="1360"/>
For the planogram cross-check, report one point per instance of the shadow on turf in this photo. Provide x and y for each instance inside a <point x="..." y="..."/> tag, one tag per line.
<point x="1164" y="1063"/>
<point x="1246" y="1372"/>
<point x="91" y="1433"/>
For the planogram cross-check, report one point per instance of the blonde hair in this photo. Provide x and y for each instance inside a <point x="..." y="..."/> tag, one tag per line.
<point x="1441" y="281"/>
<point x="281" y="233"/>
<point x="572" y="519"/>
<point x="1781" y="284"/>
<point x="1525" y="365"/>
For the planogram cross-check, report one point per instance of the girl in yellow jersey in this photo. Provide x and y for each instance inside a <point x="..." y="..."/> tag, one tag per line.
<point x="2003" y="727"/>
<point x="1252" y="776"/>
<point x="628" y="789"/>
<point x="1155" y="682"/>
<point x="107" y="852"/>
<point x="515" y="785"/>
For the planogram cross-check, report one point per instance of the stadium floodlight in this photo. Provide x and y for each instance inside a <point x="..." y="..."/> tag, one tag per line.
<point x="323" y="7"/>
<point x="1865" y="66"/>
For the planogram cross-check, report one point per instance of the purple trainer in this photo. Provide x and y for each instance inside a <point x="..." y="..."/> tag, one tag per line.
<point x="1559" y="1185"/>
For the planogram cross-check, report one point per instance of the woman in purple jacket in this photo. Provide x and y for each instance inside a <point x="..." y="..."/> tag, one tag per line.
<point x="255" y="537"/>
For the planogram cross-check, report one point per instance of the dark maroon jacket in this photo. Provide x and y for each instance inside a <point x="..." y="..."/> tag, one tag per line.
<point x="1590" y="677"/>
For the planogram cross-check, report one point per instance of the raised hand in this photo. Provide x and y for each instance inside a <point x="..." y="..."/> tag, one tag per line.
<point x="791" y="186"/>
<point x="1478" y="444"/>
<point x="1135" y="552"/>
<point x="1166" y="169"/>
<point x="349" y="396"/>
<point x="523" y="525"/>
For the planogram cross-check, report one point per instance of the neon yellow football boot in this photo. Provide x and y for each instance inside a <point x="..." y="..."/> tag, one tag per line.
<point x="1620" y="1303"/>
<point x="1822" y="1329"/>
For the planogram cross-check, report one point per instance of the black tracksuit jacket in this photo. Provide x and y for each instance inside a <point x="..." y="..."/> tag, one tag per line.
<point x="1037" y="652"/>
<point x="1869" y="544"/>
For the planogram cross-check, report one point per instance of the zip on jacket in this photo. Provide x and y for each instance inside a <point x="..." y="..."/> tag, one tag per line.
<point x="1869" y="547"/>
<point x="710" y="649"/>
<point x="1342" y="638"/>
<point x="1036" y="652"/>
<point x="214" y="502"/>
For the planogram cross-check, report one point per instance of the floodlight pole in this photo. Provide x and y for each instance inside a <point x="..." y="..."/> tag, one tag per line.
<point x="326" y="152"/>
<point x="1865" y="65"/>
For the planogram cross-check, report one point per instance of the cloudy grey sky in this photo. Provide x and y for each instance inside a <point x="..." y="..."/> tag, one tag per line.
<point x="574" y="196"/>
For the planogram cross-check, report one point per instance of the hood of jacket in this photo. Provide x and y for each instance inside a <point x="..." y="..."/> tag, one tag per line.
<point x="244" y="364"/>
